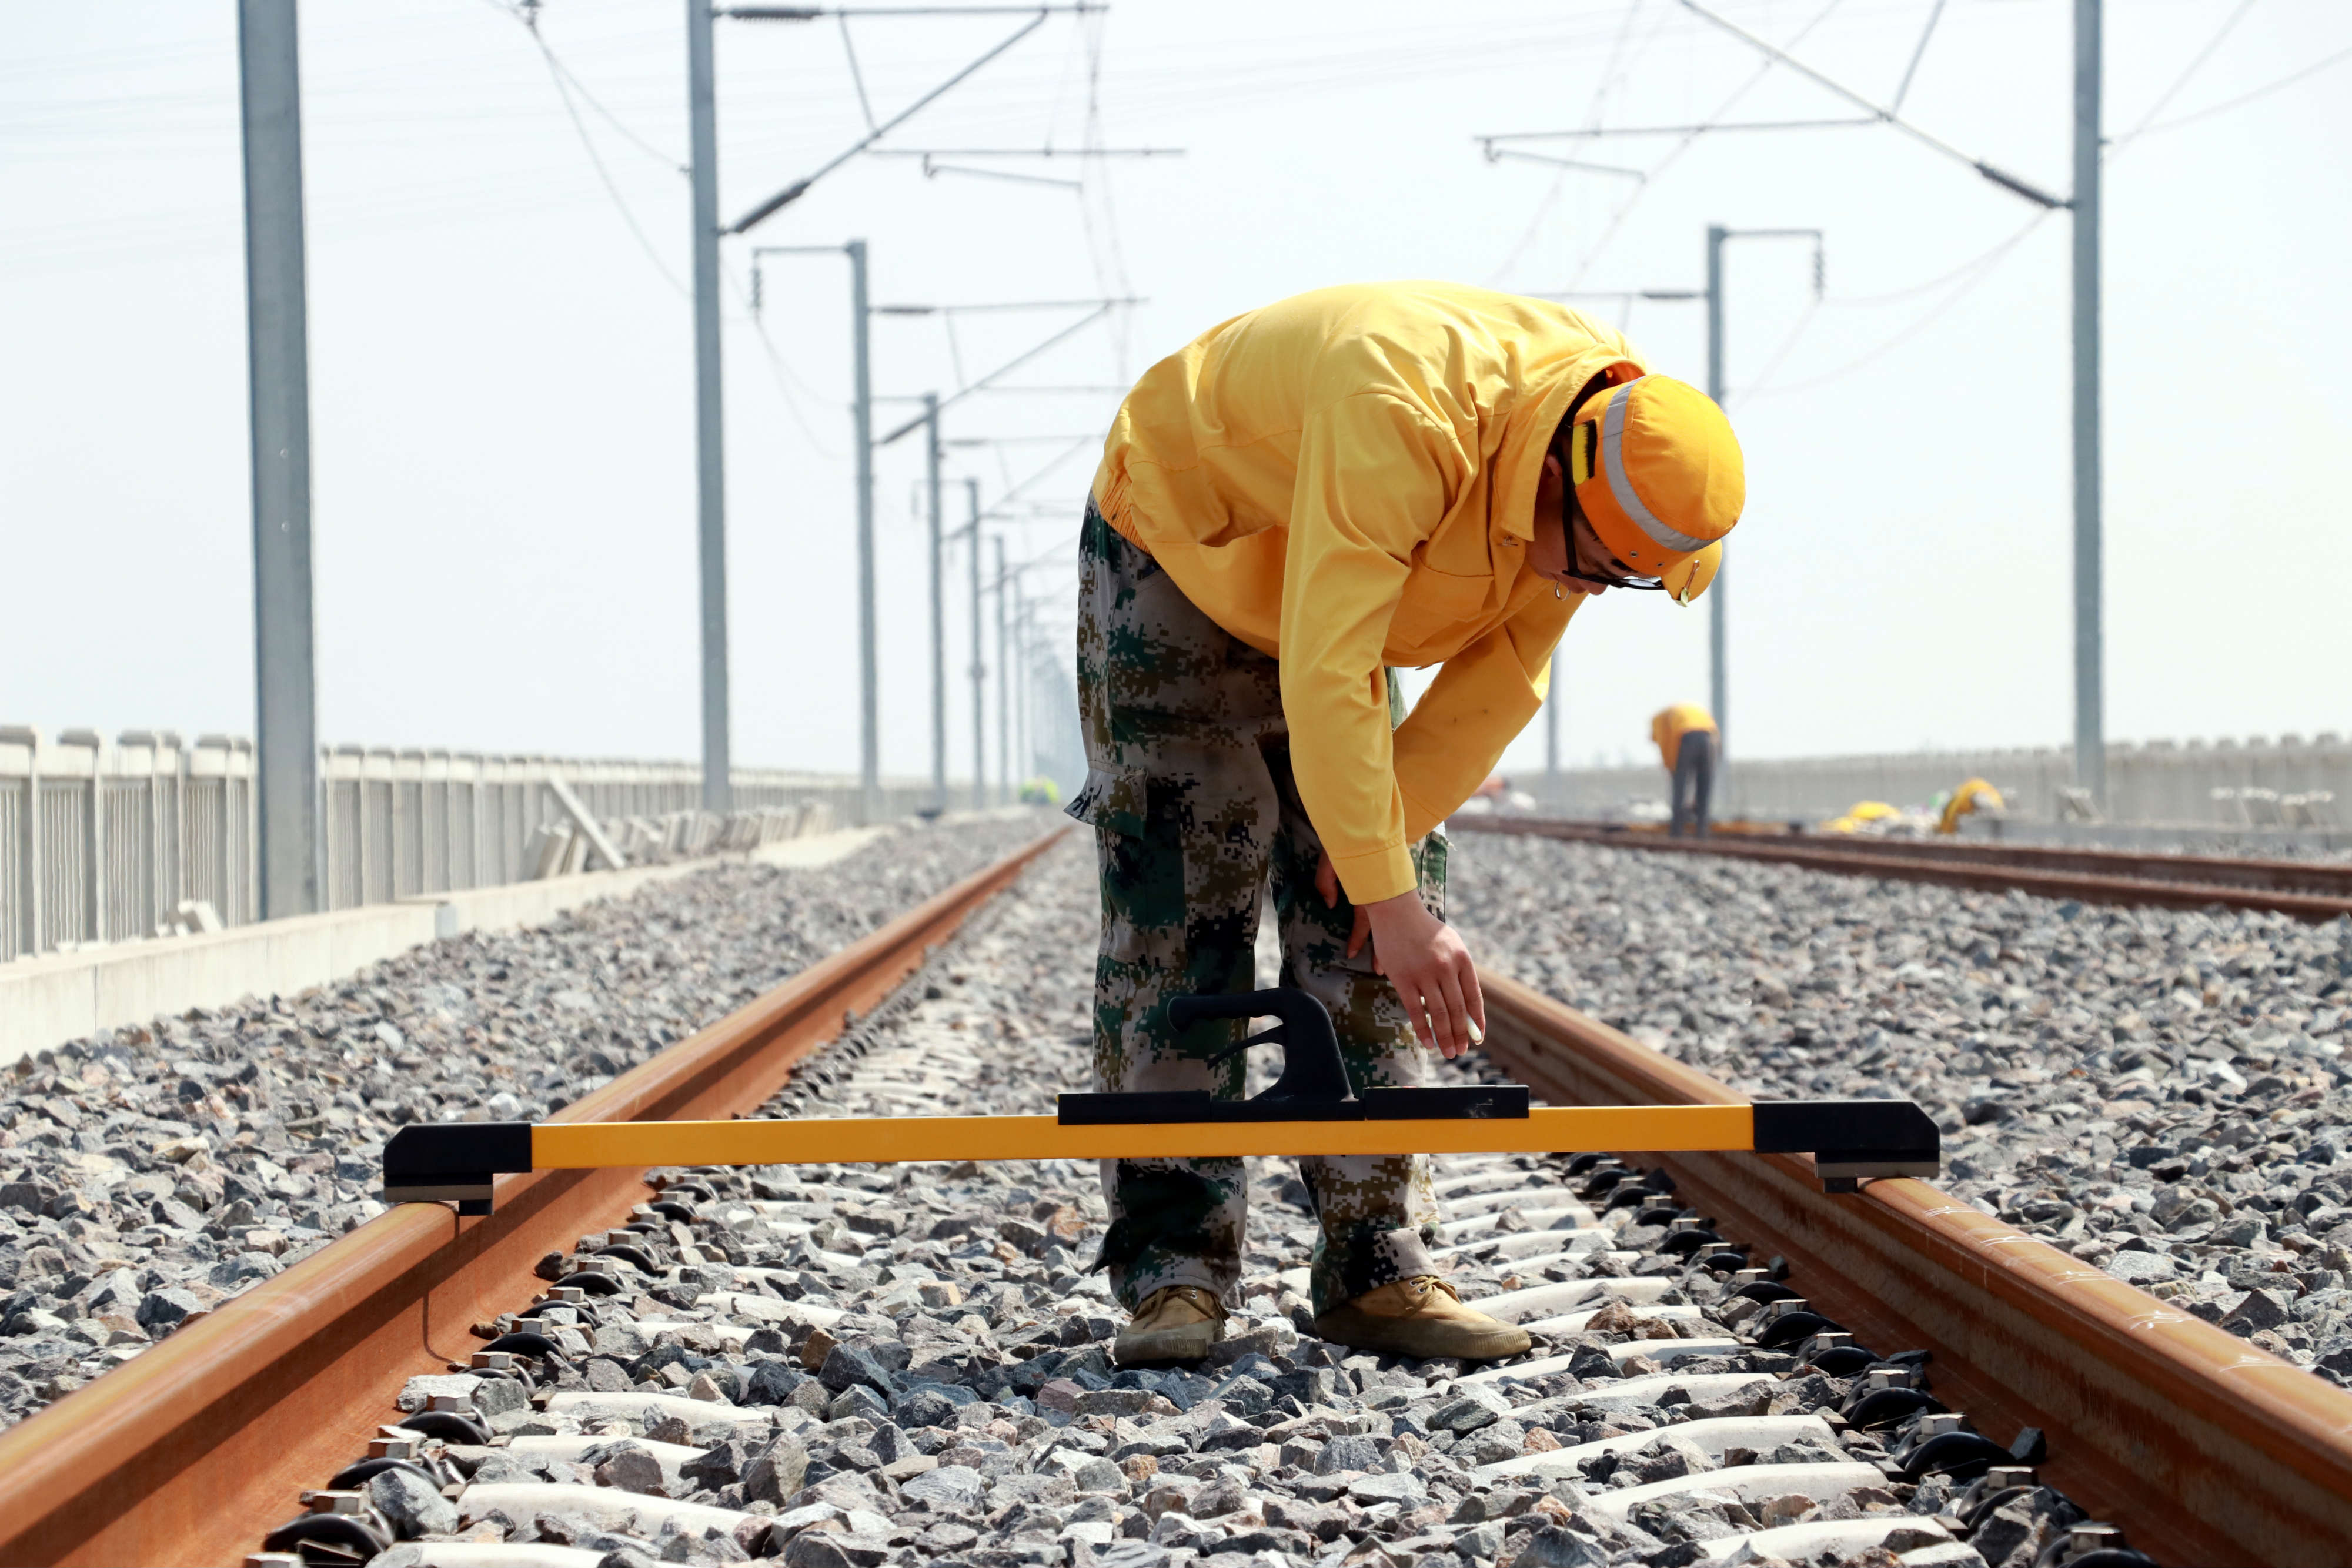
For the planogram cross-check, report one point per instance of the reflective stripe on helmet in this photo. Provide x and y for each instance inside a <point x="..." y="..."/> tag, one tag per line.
<point x="1621" y="487"/>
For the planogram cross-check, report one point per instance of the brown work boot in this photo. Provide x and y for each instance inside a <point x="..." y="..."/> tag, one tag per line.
<point x="1179" y="1322"/>
<point x="1421" y="1317"/>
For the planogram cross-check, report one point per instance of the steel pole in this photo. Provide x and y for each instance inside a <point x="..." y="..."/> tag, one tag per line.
<point x="939" y="604"/>
<point x="710" y="431"/>
<point x="869" y="721"/>
<point x="1718" y="681"/>
<point x="2090" y="695"/>
<point x="1551" y="730"/>
<point x="1024" y="754"/>
<point x="978" y="667"/>
<point x="1004" y="681"/>
<point x="286" y="712"/>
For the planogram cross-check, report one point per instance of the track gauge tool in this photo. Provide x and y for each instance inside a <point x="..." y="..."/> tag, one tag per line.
<point x="1309" y="1109"/>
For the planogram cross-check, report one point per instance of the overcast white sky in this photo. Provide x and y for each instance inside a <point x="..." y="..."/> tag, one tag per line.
<point x="504" y="496"/>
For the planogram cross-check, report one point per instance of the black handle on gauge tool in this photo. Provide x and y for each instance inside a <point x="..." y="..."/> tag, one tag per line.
<point x="1311" y="1068"/>
<point x="1314" y="1083"/>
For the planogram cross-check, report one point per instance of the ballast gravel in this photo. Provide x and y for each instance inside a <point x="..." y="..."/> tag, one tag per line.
<point x="869" y="1366"/>
<point x="2161" y="1093"/>
<point x="147" y="1174"/>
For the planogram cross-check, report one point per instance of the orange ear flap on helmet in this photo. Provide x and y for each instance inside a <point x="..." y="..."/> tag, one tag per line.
<point x="1687" y="581"/>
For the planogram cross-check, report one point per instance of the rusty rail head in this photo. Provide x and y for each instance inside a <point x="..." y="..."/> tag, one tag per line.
<point x="2268" y="886"/>
<point x="2325" y="878"/>
<point x="189" y="1452"/>
<point x="2203" y="1448"/>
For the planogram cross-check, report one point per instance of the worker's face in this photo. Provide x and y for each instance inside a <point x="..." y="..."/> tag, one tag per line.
<point x="1563" y="547"/>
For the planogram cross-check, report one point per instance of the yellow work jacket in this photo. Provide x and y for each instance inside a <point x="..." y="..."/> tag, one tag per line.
<point x="1346" y="479"/>
<point x="1672" y="723"/>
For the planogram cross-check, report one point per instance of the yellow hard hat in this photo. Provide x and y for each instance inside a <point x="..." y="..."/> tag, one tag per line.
<point x="1657" y="472"/>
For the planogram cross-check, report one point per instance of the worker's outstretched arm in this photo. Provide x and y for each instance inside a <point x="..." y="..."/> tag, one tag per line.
<point x="1482" y="698"/>
<point x="1457" y="733"/>
<point x="1375" y="477"/>
<point x="1373" y="484"/>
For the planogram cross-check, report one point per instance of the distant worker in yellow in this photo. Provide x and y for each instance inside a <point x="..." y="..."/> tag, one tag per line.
<point x="1290" y="507"/>
<point x="1969" y="798"/>
<point x="1685" y="735"/>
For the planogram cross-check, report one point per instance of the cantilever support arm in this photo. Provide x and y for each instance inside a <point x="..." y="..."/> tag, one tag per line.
<point x="799" y="188"/>
<point x="2015" y="184"/>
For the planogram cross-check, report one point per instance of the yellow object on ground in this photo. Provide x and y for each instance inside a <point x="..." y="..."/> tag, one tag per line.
<point x="1672" y="723"/>
<point x="1347" y="480"/>
<point x="564" y="1146"/>
<point x="1968" y="797"/>
<point x="1040" y="792"/>
<point x="1861" y="814"/>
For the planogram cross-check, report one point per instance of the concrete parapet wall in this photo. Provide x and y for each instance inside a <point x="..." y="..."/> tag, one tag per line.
<point x="47" y="1000"/>
<point x="107" y="840"/>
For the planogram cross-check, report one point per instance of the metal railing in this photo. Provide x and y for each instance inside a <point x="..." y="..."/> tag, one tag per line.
<point x="2224" y="783"/>
<point x="148" y="834"/>
<point x="100" y="841"/>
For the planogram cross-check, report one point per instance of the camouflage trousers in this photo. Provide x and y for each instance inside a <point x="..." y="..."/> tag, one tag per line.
<point x="1196" y="815"/>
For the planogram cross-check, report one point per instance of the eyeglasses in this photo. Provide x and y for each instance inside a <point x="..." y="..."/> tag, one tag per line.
<point x="1568" y="520"/>
<point x="1639" y="584"/>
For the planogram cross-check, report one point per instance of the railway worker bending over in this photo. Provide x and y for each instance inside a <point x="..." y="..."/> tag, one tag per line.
<point x="1686" y="737"/>
<point x="1302" y="499"/>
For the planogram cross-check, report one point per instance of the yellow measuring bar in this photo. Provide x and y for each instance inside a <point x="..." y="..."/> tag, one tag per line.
<point x="883" y="1140"/>
<point x="1849" y="1140"/>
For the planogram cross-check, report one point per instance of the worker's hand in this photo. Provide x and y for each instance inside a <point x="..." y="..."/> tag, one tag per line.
<point x="1424" y="957"/>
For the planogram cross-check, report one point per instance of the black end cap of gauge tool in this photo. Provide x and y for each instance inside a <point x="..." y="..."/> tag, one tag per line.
<point x="1850" y="1139"/>
<point x="435" y="1162"/>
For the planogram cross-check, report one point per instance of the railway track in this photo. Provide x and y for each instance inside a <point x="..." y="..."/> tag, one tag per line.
<point x="2306" y="891"/>
<point x="179" y="1455"/>
<point x="926" y="1379"/>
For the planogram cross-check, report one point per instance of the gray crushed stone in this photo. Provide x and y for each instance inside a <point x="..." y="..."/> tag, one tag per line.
<point x="2162" y="1093"/>
<point x="910" y="1365"/>
<point x="147" y="1174"/>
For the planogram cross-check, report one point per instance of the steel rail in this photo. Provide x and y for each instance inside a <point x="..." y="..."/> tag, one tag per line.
<point x="2324" y="877"/>
<point x="2315" y="893"/>
<point x="2330" y="877"/>
<point x="188" y="1453"/>
<point x="2203" y="1448"/>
